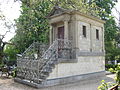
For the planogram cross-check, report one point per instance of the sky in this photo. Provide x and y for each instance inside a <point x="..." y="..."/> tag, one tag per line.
<point x="114" y="13"/>
<point x="11" y="10"/>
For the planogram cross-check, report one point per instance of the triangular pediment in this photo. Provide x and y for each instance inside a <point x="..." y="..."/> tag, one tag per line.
<point x="56" y="11"/>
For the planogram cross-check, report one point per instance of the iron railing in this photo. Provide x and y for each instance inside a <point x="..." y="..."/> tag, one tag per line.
<point x="33" y="68"/>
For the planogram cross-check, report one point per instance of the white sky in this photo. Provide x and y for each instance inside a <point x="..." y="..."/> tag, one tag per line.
<point x="116" y="13"/>
<point x="11" y="10"/>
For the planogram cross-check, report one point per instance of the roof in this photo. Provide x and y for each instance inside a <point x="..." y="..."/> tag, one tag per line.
<point x="57" y="11"/>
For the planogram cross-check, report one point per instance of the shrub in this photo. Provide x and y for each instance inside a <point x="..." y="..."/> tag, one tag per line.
<point x="108" y="66"/>
<point x="14" y="73"/>
<point x="105" y="86"/>
<point x="118" y="77"/>
<point x="111" y="70"/>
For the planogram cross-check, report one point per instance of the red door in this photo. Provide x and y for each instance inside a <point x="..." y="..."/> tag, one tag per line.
<point x="61" y="32"/>
<point x="61" y="41"/>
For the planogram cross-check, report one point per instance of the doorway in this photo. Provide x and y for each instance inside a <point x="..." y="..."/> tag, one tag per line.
<point x="61" y="32"/>
<point x="60" y="41"/>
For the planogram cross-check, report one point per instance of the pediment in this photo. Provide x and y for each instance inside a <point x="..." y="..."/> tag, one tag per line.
<point x="56" y="11"/>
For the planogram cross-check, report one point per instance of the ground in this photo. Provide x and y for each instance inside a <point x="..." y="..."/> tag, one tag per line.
<point x="9" y="84"/>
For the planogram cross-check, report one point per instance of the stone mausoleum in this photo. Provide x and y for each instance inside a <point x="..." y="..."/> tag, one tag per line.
<point x="76" y="51"/>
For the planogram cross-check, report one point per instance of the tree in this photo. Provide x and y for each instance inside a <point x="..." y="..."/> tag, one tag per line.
<point x="111" y="29"/>
<point x="2" y="45"/>
<point x="7" y="25"/>
<point x="32" y="24"/>
<point x="106" y="7"/>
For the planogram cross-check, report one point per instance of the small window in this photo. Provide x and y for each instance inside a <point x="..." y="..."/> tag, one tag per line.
<point x="97" y="34"/>
<point x="84" y="31"/>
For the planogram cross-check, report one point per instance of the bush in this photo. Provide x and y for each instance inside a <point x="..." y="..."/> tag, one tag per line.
<point x="111" y="70"/>
<point x="105" y="86"/>
<point x="118" y="77"/>
<point x="108" y="66"/>
<point x="14" y="73"/>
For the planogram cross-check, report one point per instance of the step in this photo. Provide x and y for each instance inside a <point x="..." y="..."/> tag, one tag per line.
<point x="46" y="71"/>
<point x="44" y="75"/>
<point x="36" y="80"/>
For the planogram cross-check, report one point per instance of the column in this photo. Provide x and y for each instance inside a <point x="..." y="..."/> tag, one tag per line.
<point x="103" y="46"/>
<point x="50" y="35"/>
<point x="66" y="29"/>
<point x="53" y="32"/>
<point x="91" y="42"/>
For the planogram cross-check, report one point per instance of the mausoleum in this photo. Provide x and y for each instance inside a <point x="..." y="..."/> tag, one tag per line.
<point x="76" y="51"/>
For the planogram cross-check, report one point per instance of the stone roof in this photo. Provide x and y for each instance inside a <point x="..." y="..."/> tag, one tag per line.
<point x="56" y="11"/>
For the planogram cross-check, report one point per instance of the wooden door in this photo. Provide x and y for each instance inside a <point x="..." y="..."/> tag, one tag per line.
<point x="61" y="32"/>
<point x="60" y="41"/>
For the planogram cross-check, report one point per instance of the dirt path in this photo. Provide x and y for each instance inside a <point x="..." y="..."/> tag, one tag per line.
<point x="9" y="84"/>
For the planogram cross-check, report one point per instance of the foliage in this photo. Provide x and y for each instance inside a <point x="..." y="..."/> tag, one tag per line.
<point x="105" y="86"/>
<point x="117" y="38"/>
<point x="108" y="66"/>
<point x="118" y="76"/>
<point x="81" y="5"/>
<point x="111" y="70"/>
<point x="32" y="24"/>
<point x="117" y="71"/>
<point x="112" y="51"/>
<point x="5" y="24"/>
<point x="14" y="73"/>
<point x="110" y="29"/>
<point x="10" y="51"/>
<point x="106" y="7"/>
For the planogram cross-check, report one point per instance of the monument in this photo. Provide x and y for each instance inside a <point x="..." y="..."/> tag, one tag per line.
<point x="76" y="51"/>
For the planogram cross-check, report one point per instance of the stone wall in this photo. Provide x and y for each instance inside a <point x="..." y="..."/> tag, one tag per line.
<point x="90" y="51"/>
<point x="84" y="42"/>
<point x="85" y="65"/>
<point x="90" y="42"/>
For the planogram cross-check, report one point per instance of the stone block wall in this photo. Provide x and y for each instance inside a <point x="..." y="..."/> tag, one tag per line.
<point x="85" y="65"/>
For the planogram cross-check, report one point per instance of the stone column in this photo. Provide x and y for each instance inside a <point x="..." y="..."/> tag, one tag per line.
<point x="65" y="29"/>
<point x="50" y="35"/>
<point x="103" y="46"/>
<point x="91" y="39"/>
<point x="53" y="32"/>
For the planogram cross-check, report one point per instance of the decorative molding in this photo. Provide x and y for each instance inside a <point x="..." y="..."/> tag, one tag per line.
<point x="68" y="60"/>
<point x="91" y="54"/>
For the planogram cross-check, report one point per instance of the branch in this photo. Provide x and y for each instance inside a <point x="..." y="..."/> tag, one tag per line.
<point x="8" y="43"/>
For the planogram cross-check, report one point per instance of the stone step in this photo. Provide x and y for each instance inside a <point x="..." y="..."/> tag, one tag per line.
<point x="46" y="71"/>
<point x="36" y="80"/>
<point x="43" y="77"/>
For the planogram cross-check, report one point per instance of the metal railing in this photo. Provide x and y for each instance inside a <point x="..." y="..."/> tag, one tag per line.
<point x="31" y="67"/>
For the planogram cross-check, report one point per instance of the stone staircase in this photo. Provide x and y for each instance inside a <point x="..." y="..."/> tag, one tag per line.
<point x="37" y="62"/>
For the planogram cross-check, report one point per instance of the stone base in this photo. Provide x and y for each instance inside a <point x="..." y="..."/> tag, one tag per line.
<point x="64" y="80"/>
